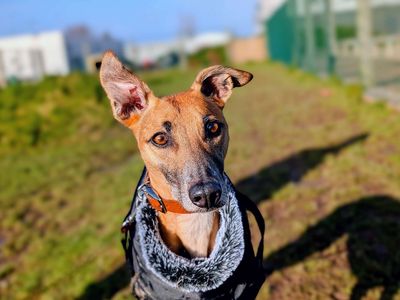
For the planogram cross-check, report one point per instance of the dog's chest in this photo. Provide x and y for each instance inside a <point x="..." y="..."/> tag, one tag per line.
<point x="197" y="231"/>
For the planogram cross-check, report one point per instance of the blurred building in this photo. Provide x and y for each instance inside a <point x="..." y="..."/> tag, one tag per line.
<point x="92" y="62"/>
<point x="29" y="57"/>
<point x="265" y="8"/>
<point x="79" y="42"/>
<point x="150" y="54"/>
<point x="206" y="40"/>
<point x="242" y="50"/>
<point x="82" y="44"/>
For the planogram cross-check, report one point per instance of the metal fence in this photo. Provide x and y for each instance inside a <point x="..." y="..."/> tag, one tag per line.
<point x="356" y="40"/>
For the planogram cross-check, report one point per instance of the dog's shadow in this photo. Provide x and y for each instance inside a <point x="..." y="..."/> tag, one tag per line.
<point x="373" y="228"/>
<point x="258" y="187"/>
<point x="108" y="286"/>
<point x="266" y="182"/>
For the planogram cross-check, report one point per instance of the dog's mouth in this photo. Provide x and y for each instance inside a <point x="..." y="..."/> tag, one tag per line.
<point x="201" y="190"/>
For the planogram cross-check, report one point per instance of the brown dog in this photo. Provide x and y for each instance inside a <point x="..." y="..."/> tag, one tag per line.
<point x="183" y="140"/>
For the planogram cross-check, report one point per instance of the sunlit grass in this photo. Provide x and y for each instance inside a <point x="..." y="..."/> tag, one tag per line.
<point x="69" y="170"/>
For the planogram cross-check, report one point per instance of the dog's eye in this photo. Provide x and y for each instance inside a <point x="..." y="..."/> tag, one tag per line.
<point x="159" y="139"/>
<point x="213" y="129"/>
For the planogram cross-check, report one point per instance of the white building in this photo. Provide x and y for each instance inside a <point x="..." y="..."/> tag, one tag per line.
<point x="30" y="57"/>
<point x="265" y="8"/>
<point x="150" y="53"/>
<point x="206" y="40"/>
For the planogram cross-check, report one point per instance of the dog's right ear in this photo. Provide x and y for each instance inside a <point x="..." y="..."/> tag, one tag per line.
<point x="129" y="96"/>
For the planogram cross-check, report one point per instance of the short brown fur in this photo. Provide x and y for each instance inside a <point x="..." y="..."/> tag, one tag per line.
<point x="190" y="157"/>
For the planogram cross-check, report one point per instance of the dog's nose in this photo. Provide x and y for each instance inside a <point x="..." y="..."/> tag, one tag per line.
<point x="205" y="195"/>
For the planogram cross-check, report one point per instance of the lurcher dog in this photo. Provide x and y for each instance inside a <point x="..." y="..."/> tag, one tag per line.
<point x="183" y="139"/>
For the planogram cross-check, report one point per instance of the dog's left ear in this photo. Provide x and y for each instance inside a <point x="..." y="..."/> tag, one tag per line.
<point x="217" y="82"/>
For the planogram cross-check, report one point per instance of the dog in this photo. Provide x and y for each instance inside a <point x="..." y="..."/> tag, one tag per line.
<point x="183" y="140"/>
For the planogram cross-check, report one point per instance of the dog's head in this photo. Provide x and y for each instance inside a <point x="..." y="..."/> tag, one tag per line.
<point x="182" y="138"/>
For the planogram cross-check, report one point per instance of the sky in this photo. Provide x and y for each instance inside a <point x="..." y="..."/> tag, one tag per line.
<point x="134" y="20"/>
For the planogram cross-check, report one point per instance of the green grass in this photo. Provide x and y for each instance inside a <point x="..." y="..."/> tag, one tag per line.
<point x="69" y="169"/>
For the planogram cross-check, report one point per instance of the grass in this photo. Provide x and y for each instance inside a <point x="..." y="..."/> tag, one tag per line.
<point x="323" y="166"/>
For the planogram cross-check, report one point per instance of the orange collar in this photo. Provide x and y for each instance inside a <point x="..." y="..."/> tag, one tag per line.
<point x="167" y="206"/>
<point x="159" y="204"/>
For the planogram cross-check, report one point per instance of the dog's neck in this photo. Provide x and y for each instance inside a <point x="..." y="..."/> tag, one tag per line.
<point x="194" y="233"/>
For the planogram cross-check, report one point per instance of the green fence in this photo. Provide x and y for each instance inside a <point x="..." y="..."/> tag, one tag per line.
<point x="357" y="40"/>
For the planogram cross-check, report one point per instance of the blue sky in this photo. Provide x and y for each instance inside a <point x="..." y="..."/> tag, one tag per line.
<point x="134" y="20"/>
